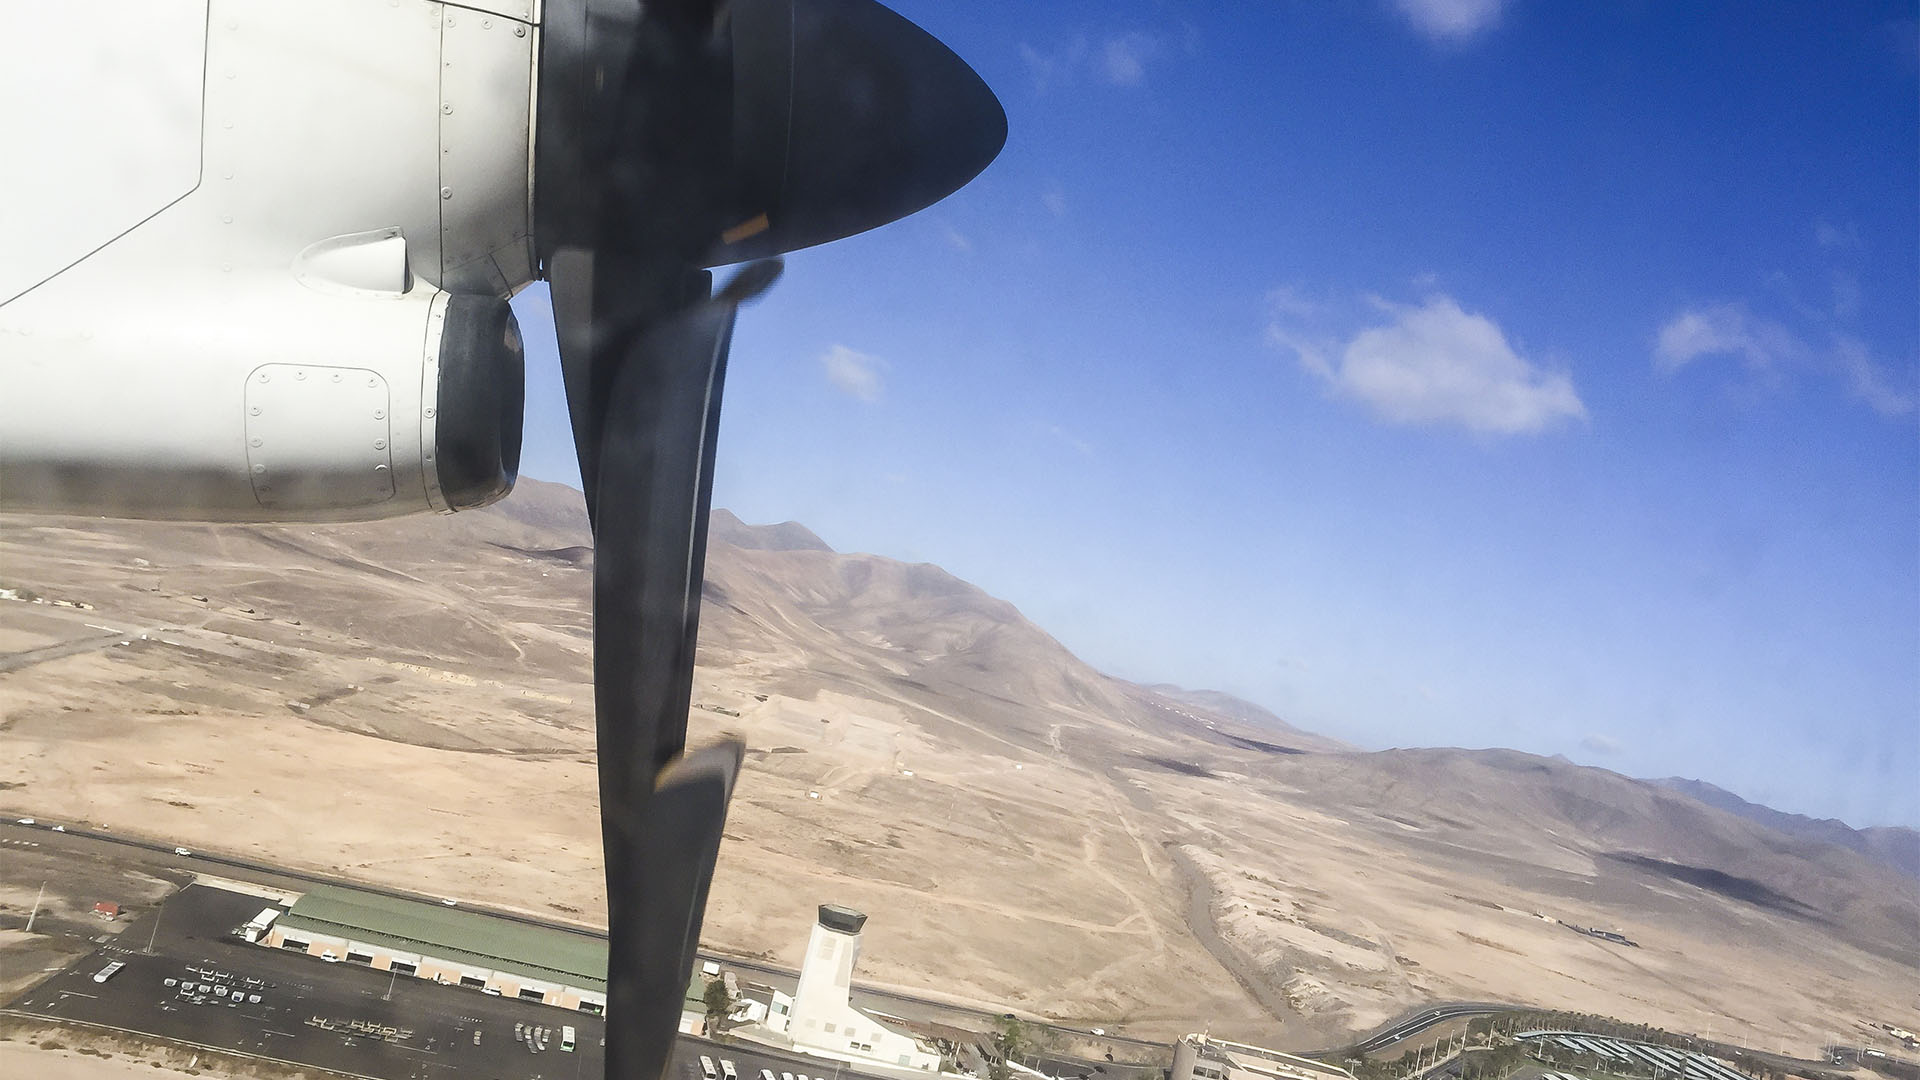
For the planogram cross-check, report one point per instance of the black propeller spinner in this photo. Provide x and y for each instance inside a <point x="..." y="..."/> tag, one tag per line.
<point x="674" y="135"/>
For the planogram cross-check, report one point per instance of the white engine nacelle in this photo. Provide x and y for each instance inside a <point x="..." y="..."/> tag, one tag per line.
<point x="255" y="255"/>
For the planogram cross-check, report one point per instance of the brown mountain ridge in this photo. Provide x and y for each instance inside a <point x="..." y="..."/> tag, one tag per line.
<point x="1025" y="830"/>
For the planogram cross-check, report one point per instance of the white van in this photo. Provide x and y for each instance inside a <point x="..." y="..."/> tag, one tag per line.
<point x="727" y="1070"/>
<point x="706" y="1068"/>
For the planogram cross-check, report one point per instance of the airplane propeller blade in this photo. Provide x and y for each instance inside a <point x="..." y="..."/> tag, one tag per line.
<point x="673" y="136"/>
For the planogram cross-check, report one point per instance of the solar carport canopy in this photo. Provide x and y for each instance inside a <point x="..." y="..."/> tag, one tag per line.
<point x="451" y="935"/>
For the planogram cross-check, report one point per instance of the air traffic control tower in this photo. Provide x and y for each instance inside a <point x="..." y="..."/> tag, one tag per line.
<point x="824" y="1019"/>
<point x="826" y="975"/>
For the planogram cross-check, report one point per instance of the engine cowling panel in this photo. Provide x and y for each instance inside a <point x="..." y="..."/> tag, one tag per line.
<point x="412" y="405"/>
<point x="286" y="301"/>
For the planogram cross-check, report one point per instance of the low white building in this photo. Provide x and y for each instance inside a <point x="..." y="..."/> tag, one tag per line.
<point x="1198" y="1057"/>
<point x="823" y="1018"/>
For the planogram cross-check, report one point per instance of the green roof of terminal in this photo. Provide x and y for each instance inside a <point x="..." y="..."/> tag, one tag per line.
<point x="451" y="934"/>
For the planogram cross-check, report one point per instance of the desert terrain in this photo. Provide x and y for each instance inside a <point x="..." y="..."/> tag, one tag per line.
<point x="409" y="702"/>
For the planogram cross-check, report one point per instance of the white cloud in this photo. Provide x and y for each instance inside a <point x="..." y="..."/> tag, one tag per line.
<point x="1868" y="379"/>
<point x="1124" y="59"/>
<point x="1286" y="300"/>
<point x="1770" y="351"/>
<point x="1452" y="21"/>
<point x="1726" y="330"/>
<point x="1837" y="237"/>
<point x="1847" y="299"/>
<point x="855" y="373"/>
<point x="1117" y="60"/>
<point x="1055" y="201"/>
<point x="1602" y="744"/>
<point x="1432" y="364"/>
<point x="1068" y="438"/>
<point x="1047" y="68"/>
<point x="956" y="239"/>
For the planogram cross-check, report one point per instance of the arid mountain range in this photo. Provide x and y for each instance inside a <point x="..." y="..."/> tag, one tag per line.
<point x="1895" y="845"/>
<point x="409" y="702"/>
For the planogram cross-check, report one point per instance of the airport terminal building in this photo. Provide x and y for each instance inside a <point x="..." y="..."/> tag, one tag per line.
<point x="447" y="945"/>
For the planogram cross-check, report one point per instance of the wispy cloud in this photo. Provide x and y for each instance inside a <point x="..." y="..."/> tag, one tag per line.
<point x="1453" y="22"/>
<point x="1124" y="59"/>
<point x="1870" y="380"/>
<point x="1055" y="200"/>
<point x="956" y="239"/>
<point x="1431" y="363"/>
<point x="1837" y="237"/>
<point x="1287" y="301"/>
<point x="1762" y="345"/>
<point x="1602" y="744"/>
<point x="1121" y="59"/>
<point x="1070" y="440"/>
<point x="854" y="373"/>
<point x="1772" y="352"/>
<point x="1048" y="67"/>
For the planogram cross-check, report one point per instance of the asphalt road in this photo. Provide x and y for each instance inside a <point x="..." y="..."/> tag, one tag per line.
<point x="1412" y="1024"/>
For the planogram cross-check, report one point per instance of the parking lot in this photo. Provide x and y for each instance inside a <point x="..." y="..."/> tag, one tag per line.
<point x="200" y="985"/>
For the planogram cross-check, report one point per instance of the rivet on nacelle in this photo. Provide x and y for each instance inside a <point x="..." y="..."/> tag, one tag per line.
<point x="254" y="441"/>
<point x="255" y="410"/>
<point x="379" y="414"/>
<point x="264" y="377"/>
<point x="446" y="193"/>
<point x="258" y="469"/>
<point x="429" y="414"/>
<point x="301" y="375"/>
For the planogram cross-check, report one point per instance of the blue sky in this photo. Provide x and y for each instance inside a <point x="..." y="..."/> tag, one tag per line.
<point x="1432" y="372"/>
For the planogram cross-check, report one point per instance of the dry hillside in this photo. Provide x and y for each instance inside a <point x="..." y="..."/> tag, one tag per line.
<point x="409" y="702"/>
